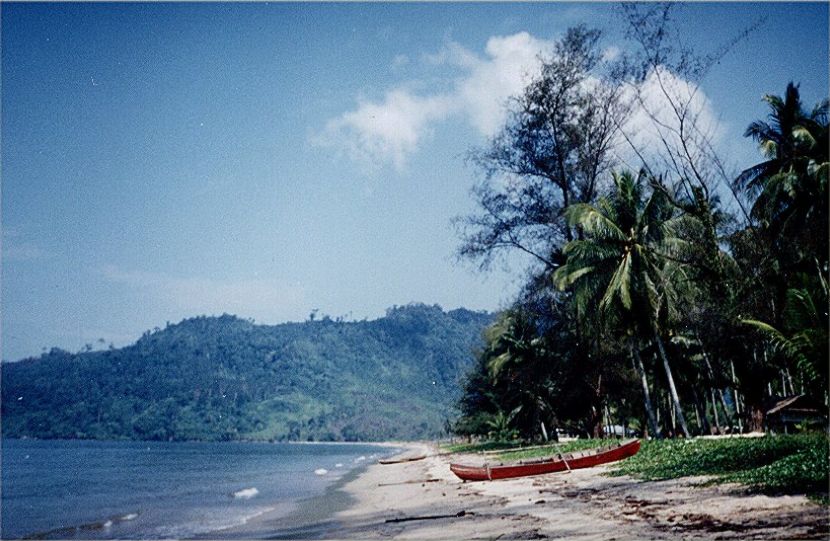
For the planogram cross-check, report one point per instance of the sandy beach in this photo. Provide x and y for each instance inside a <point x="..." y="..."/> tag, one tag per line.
<point x="424" y="500"/>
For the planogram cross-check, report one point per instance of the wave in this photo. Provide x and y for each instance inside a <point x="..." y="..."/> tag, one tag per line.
<point x="204" y="525"/>
<point x="321" y="471"/>
<point x="68" y="532"/>
<point x="245" y="493"/>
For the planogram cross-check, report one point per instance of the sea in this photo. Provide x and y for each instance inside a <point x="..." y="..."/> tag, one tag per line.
<point x="54" y="489"/>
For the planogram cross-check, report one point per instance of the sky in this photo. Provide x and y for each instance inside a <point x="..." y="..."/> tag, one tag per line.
<point x="162" y="161"/>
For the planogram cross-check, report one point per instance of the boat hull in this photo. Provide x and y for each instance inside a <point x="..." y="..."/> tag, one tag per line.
<point x="386" y="461"/>
<point x="550" y="465"/>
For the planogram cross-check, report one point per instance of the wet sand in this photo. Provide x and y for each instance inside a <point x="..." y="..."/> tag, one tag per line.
<point x="424" y="500"/>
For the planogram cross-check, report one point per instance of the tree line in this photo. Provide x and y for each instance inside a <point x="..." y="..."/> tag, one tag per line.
<point x="664" y="290"/>
<point x="225" y="378"/>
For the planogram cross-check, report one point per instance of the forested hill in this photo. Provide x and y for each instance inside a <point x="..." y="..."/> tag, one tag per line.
<point x="225" y="378"/>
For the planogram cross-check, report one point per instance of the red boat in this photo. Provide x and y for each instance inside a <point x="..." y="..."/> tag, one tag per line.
<point x="569" y="461"/>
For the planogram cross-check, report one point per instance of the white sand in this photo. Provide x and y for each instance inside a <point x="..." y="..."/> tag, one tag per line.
<point x="584" y="504"/>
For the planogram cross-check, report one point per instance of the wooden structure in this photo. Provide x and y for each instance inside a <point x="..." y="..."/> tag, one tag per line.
<point x="569" y="461"/>
<point x="786" y="415"/>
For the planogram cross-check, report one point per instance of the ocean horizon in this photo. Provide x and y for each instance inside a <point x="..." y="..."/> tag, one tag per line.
<point x="88" y="489"/>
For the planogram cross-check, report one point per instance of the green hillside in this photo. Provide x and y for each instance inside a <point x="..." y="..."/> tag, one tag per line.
<point x="225" y="378"/>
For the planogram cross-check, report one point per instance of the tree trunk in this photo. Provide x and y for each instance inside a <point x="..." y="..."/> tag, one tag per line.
<point x="675" y="399"/>
<point x="607" y="422"/>
<point x="715" y="412"/>
<point x="697" y="416"/>
<point x="595" y="423"/>
<point x="790" y="380"/>
<point x="671" y="415"/>
<point x="737" y="398"/>
<point x="595" y="420"/>
<point x="641" y="370"/>
<point x="731" y="419"/>
<point x="700" y="407"/>
<point x="657" y="411"/>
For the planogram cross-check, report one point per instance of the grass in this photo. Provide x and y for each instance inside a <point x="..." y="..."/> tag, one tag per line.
<point x="547" y="450"/>
<point x="480" y="446"/>
<point x="770" y="464"/>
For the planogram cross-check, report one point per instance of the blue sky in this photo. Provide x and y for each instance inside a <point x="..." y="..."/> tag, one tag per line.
<point x="161" y="161"/>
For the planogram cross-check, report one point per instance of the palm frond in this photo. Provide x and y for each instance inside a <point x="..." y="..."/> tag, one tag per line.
<point x="619" y="286"/>
<point x="594" y="223"/>
<point x="564" y="277"/>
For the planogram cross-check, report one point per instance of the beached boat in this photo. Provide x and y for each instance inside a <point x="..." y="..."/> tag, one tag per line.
<point x="557" y="463"/>
<point x="394" y="460"/>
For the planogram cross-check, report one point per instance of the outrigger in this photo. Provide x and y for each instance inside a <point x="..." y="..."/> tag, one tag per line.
<point x="556" y="463"/>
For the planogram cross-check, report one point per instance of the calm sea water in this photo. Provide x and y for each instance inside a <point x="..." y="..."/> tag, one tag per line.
<point x="149" y="490"/>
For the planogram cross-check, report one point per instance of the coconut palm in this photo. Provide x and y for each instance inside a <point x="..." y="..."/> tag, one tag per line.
<point x="512" y="360"/>
<point x="622" y="268"/>
<point x="804" y="338"/>
<point x="790" y="186"/>
<point x="512" y="341"/>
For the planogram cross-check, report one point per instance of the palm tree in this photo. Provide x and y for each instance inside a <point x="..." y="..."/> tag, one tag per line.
<point x="516" y="355"/>
<point x="790" y="186"/>
<point x="623" y="269"/>
<point x="512" y="341"/>
<point x="804" y="338"/>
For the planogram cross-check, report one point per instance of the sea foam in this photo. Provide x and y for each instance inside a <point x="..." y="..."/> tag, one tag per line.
<point x="245" y="493"/>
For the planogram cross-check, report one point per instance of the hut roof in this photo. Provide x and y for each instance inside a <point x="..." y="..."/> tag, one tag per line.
<point x="797" y="403"/>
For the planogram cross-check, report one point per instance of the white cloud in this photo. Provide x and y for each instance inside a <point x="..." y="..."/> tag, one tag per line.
<point x="655" y="119"/>
<point x="265" y="300"/>
<point x="510" y="64"/>
<point x="388" y="131"/>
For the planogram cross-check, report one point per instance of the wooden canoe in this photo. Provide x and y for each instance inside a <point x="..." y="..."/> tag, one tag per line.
<point x="569" y="461"/>
<point x="394" y="460"/>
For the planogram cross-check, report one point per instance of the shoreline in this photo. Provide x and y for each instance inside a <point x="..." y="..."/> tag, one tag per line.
<point x="309" y="518"/>
<point x="424" y="500"/>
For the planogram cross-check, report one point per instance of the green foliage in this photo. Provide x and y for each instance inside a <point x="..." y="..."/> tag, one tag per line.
<point x="479" y="446"/>
<point x="806" y="470"/>
<point x="784" y="464"/>
<point x="652" y="270"/>
<point x="519" y="453"/>
<point x="805" y="340"/>
<point x="224" y="378"/>
<point x="619" y="269"/>
<point x="790" y="187"/>
<point x="500" y="429"/>
<point x="539" y="374"/>
<point x="554" y="449"/>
